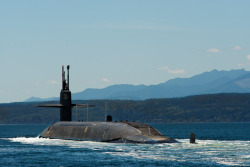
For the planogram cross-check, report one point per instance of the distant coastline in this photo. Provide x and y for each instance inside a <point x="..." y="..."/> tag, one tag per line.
<point x="225" y="107"/>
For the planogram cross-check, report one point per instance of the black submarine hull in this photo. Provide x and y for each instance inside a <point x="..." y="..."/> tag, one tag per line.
<point x="115" y="132"/>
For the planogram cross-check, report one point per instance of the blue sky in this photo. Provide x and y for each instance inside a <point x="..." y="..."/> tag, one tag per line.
<point x="116" y="42"/>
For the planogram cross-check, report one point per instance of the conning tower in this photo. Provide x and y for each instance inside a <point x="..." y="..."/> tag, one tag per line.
<point x="65" y="98"/>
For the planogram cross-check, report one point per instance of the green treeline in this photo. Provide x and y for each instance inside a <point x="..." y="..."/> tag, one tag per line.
<point x="200" y="108"/>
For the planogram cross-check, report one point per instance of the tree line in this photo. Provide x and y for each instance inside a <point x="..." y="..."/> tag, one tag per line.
<point x="232" y="107"/>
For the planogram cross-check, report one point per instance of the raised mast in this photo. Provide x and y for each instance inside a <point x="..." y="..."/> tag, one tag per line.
<point x="67" y="77"/>
<point x="63" y="79"/>
<point x="65" y="83"/>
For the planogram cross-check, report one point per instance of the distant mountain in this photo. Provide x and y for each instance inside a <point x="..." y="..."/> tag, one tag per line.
<point x="34" y="99"/>
<point x="123" y="91"/>
<point x="234" y="81"/>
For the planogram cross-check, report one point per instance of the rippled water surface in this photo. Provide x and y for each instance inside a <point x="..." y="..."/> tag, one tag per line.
<point x="218" y="144"/>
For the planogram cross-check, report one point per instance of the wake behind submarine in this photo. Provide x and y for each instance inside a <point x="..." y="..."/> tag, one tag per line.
<point x="117" y="132"/>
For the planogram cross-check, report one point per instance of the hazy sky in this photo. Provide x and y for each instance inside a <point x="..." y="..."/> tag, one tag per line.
<point x="110" y="42"/>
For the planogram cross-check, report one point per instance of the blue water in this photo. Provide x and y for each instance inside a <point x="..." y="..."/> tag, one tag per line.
<point x="218" y="144"/>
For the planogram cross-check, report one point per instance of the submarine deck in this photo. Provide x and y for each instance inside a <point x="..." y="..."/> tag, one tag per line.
<point x="133" y="132"/>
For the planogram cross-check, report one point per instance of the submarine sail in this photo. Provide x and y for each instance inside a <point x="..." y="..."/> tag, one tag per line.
<point x="65" y="99"/>
<point x="121" y="132"/>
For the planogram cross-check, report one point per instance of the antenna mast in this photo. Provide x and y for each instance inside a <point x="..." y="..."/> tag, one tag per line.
<point x="68" y="77"/>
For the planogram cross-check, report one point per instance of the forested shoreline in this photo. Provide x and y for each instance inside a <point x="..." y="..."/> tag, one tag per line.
<point x="232" y="107"/>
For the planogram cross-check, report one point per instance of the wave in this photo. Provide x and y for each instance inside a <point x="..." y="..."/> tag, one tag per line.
<point x="209" y="152"/>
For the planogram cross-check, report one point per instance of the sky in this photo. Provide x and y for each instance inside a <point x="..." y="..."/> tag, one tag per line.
<point x="116" y="42"/>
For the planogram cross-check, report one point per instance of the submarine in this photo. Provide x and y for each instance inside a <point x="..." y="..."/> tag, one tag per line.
<point x="109" y="131"/>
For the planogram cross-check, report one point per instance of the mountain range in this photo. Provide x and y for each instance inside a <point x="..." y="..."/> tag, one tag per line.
<point x="213" y="82"/>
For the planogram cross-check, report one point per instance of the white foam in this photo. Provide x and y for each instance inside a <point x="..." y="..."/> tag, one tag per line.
<point x="234" y="152"/>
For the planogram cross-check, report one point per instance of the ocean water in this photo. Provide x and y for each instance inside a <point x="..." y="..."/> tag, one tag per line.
<point x="218" y="144"/>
